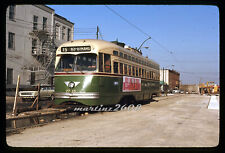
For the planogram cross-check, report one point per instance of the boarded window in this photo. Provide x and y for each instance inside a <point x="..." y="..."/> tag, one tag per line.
<point x="11" y="40"/>
<point x="9" y="76"/>
<point x="63" y="33"/>
<point x="68" y="34"/>
<point x="107" y="63"/>
<point x="115" y="67"/>
<point x="32" y="78"/>
<point x="12" y="12"/>
<point x="121" y="68"/>
<point x="100" y="62"/>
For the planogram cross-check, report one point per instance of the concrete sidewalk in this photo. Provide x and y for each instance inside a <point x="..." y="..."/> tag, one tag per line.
<point x="214" y="102"/>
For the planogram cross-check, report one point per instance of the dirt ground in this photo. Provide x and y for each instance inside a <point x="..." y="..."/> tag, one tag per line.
<point x="179" y="121"/>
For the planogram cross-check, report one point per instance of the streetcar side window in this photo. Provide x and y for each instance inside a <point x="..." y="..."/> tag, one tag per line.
<point x="129" y="57"/>
<point x="107" y="63"/>
<point x="148" y="75"/>
<point x="139" y="72"/>
<point x="121" y="68"/>
<point x="133" y="71"/>
<point x="125" y="56"/>
<point x="115" y="67"/>
<point x="129" y="67"/>
<point x="136" y="71"/>
<point x="100" y="62"/>
<point x="121" y="54"/>
<point x="143" y="75"/>
<point x="125" y="69"/>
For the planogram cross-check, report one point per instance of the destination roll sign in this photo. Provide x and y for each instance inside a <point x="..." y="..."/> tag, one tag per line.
<point x="76" y="49"/>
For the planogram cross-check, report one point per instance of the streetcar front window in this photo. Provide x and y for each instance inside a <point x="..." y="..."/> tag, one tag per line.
<point x="80" y="62"/>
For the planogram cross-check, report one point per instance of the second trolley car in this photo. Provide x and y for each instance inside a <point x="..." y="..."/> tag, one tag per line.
<point x="96" y="72"/>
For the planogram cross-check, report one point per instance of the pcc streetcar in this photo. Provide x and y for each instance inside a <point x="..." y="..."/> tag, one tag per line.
<point x="96" y="72"/>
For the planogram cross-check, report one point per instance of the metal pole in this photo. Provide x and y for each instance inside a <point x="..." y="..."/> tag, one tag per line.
<point x="15" y="100"/>
<point x="97" y="32"/>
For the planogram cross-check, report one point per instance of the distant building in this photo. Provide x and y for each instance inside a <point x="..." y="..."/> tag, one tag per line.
<point x="170" y="78"/>
<point x="33" y="32"/>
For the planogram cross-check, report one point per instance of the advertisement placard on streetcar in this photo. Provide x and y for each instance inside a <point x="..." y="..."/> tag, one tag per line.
<point x="131" y="84"/>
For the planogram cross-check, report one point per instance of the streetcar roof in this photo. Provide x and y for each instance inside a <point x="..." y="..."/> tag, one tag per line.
<point x="101" y="45"/>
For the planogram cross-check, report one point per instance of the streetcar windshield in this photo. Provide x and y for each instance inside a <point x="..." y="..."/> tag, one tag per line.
<point x="81" y="62"/>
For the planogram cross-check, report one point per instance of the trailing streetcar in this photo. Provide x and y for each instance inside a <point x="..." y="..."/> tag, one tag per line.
<point x="97" y="72"/>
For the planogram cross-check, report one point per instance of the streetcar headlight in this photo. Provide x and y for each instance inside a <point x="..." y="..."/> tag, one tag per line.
<point x="71" y="85"/>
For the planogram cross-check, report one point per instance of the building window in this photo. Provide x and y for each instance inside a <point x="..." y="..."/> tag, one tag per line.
<point x="44" y="23"/>
<point x="32" y="78"/>
<point x="68" y="34"/>
<point x="11" y="40"/>
<point x="9" y="76"/>
<point x="57" y="32"/>
<point x="12" y="9"/>
<point x="63" y="33"/>
<point x="34" y="46"/>
<point x="35" y="22"/>
<point x="115" y="67"/>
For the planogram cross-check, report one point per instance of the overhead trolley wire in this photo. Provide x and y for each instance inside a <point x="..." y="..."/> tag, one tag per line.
<point x="140" y="30"/>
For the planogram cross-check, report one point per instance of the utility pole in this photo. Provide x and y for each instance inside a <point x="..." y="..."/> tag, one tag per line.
<point x="97" y="32"/>
<point x="163" y="79"/>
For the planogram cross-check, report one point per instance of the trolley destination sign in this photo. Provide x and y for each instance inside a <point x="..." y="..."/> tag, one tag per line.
<point x="76" y="49"/>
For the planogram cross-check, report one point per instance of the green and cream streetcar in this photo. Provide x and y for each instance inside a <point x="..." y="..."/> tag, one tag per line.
<point x="96" y="72"/>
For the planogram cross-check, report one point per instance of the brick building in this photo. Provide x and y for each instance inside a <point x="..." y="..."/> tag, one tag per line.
<point x="170" y="78"/>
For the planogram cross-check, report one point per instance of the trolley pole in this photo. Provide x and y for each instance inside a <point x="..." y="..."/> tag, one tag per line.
<point x="97" y="32"/>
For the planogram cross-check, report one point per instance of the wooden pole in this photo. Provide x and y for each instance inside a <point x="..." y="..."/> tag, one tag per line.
<point x="16" y="95"/>
<point x="34" y="102"/>
<point x="38" y="97"/>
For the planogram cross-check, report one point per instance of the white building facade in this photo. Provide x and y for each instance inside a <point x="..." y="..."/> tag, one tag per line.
<point x="30" y="40"/>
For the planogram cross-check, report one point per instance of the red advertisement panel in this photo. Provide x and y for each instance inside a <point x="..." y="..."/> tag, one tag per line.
<point x="131" y="84"/>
